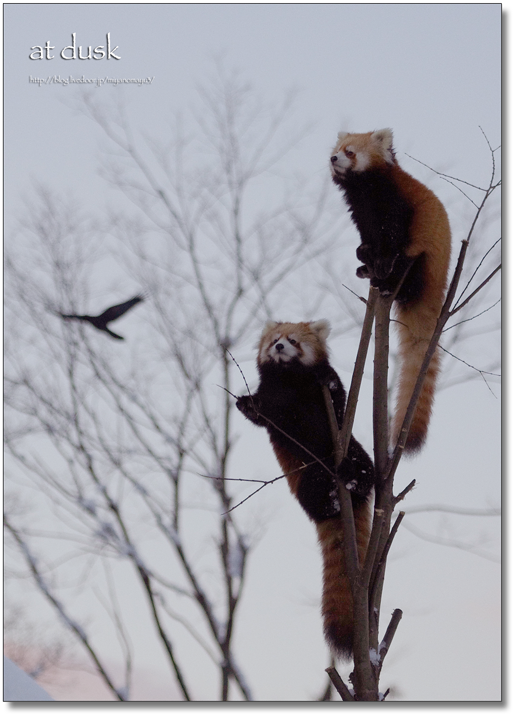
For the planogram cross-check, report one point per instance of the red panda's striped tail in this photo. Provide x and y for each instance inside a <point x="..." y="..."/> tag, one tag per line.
<point x="337" y="604"/>
<point x="416" y="327"/>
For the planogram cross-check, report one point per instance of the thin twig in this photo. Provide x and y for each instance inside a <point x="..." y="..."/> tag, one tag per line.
<point x="357" y="375"/>
<point x="377" y="573"/>
<point x="338" y="683"/>
<point x="359" y="297"/>
<point x="447" y="176"/>
<point x="477" y="369"/>
<point x="240" y="370"/>
<point x="473" y="317"/>
<point x="486" y="254"/>
<point x="405" y="491"/>
<point x="251" y="495"/>
<point x="389" y="636"/>
<point x="490" y="276"/>
<point x="351" y="557"/>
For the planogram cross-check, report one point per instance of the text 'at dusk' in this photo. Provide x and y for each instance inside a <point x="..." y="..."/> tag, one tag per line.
<point x="76" y="52"/>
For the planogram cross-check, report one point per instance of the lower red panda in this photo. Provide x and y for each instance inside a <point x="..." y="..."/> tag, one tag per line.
<point x="402" y="225"/>
<point x="293" y="366"/>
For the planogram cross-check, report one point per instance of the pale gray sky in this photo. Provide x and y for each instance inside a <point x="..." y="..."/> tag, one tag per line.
<point x="432" y="73"/>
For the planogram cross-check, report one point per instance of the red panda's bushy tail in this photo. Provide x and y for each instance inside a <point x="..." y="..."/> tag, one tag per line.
<point x="415" y="325"/>
<point x="337" y="604"/>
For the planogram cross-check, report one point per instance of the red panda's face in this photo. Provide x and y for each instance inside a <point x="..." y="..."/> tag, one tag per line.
<point x="359" y="152"/>
<point x="285" y="342"/>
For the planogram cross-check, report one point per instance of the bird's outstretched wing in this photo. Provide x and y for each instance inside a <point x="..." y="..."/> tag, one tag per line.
<point x="112" y="313"/>
<point x="74" y="316"/>
<point x="114" y="335"/>
<point x="116" y="311"/>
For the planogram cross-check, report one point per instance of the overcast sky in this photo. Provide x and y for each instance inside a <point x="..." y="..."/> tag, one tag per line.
<point x="431" y="72"/>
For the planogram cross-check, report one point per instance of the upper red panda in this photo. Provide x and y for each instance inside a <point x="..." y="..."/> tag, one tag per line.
<point x="293" y="366"/>
<point x="401" y="222"/>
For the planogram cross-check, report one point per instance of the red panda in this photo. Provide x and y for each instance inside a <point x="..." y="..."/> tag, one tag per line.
<point x="293" y="366"/>
<point x="402" y="225"/>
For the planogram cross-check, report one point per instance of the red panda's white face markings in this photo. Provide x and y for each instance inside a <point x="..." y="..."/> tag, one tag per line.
<point x="284" y="348"/>
<point x="285" y="342"/>
<point x="348" y="159"/>
<point x="359" y="152"/>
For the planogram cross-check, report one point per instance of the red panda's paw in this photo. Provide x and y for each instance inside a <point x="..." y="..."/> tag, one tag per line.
<point x="247" y="406"/>
<point x="383" y="266"/>
<point x="363" y="272"/>
<point x="328" y="377"/>
<point x="364" y="253"/>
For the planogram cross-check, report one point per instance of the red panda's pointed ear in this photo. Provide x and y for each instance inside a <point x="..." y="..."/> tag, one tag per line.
<point x="321" y="328"/>
<point x="269" y="325"/>
<point x="384" y="137"/>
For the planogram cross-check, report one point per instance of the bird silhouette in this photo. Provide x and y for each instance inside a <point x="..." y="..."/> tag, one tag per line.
<point x="110" y="314"/>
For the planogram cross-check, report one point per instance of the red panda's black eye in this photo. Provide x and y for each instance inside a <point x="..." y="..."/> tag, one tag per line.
<point x="293" y="342"/>
<point x="349" y="153"/>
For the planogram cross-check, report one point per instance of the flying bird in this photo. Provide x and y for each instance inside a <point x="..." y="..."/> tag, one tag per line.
<point x="110" y="314"/>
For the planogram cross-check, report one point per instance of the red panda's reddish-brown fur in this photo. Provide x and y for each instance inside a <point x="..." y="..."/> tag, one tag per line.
<point x="399" y="219"/>
<point x="336" y="602"/>
<point x="293" y="366"/>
